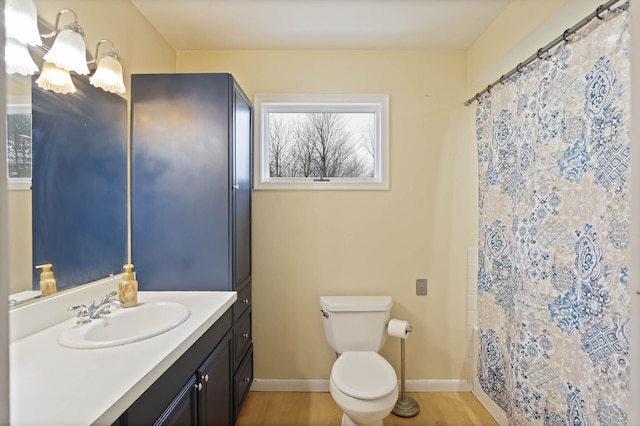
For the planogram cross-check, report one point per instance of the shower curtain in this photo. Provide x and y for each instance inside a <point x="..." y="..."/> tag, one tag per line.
<point x="553" y="289"/>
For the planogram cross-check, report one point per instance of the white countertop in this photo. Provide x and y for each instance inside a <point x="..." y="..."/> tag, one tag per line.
<point x="54" y="385"/>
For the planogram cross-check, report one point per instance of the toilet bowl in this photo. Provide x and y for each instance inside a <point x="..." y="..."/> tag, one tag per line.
<point x="362" y="383"/>
<point x="364" y="386"/>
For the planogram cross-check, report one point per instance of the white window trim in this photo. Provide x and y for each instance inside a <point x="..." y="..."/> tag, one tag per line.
<point x="18" y="105"/>
<point x="266" y="103"/>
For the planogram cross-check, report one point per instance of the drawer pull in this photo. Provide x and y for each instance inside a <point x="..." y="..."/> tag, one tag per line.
<point x="205" y="378"/>
<point x="245" y="301"/>
<point x="235" y="186"/>
<point x="245" y="335"/>
<point x="246" y="379"/>
<point x="199" y="387"/>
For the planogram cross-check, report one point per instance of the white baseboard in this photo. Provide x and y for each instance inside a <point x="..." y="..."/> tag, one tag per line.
<point x="290" y="385"/>
<point x="496" y="412"/>
<point x="322" y="385"/>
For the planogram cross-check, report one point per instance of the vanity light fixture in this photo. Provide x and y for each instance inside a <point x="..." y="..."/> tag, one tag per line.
<point x="55" y="79"/>
<point x="21" y="22"/>
<point x="108" y="74"/>
<point x="17" y="58"/>
<point x="68" y="50"/>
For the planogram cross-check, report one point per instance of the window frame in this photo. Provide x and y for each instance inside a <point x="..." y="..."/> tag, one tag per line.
<point x="301" y="103"/>
<point x="17" y="106"/>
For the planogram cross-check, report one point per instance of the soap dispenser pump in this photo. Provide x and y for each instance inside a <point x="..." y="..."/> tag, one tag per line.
<point x="47" y="281"/>
<point x="128" y="289"/>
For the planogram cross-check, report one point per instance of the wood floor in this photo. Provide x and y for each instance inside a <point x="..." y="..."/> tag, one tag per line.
<point x="318" y="409"/>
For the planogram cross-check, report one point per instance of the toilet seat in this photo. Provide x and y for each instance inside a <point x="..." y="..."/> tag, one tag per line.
<point x="364" y="375"/>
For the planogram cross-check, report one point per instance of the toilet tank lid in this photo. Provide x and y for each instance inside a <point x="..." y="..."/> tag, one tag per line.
<point x="356" y="303"/>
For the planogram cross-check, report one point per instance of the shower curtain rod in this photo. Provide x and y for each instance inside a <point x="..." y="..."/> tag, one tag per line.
<point x="538" y="55"/>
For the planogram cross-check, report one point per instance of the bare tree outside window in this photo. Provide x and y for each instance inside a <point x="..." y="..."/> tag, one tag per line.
<point x="321" y="144"/>
<point x="19" y="145"/>
<point x="281" y="159"/>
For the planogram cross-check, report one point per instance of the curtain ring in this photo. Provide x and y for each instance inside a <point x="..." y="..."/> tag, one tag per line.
<point x="518" y="67"/>
<point x="598" y="9"/>
<point x="489" y="89"/>
<point x="565" y="34"/>
<point x="477" y="97"/>
<point x="539" y="53"/>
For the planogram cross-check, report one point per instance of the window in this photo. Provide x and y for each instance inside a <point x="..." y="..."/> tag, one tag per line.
<point x="321" y="142"/>
<point x="19" y="146"/>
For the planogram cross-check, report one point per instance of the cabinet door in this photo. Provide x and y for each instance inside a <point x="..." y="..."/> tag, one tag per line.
<point x="215" y="395"/>
<point x="181" y="181"/>
<point x="183" y="409"/>
<point x="241" y="189"/>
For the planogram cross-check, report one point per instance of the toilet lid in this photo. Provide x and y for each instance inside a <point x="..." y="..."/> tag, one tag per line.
<point x="363" y="375"/>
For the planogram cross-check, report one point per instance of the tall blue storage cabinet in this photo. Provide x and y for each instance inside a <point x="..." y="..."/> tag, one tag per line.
<point x="191" y="195"/>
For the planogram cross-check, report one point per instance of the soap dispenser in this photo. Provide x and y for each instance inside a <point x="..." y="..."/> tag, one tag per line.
<point x="47" y="281"/>
<point x="128" y="289"/>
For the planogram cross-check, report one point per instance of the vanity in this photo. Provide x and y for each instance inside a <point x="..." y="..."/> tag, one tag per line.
<point x="200" y="371"/>
<point x="185" y="374"/>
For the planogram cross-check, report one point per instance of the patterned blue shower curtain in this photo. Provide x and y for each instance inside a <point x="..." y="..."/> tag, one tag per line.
<point x="553" y="292"/>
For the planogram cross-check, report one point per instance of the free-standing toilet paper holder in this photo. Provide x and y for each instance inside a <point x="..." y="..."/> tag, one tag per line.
<point x="405" y="406"/>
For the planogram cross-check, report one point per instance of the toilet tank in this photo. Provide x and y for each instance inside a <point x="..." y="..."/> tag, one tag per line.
<point x="355" y="323"/>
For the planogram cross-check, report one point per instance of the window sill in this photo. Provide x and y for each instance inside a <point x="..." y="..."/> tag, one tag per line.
<point x="331" y="185"/>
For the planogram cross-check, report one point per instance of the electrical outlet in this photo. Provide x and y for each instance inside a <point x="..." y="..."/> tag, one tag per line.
<point x="421" y="287"/>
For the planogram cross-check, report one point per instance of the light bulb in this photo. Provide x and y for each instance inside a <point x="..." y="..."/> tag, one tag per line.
<point x="55" y="79"/>
<point x="21" y="22"/>
<point x="69" y="51"/>
<point x="17" y="58"/>
<point x="108" y="75"/>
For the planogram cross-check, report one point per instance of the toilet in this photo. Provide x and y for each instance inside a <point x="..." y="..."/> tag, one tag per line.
<point x="362" y="383"/>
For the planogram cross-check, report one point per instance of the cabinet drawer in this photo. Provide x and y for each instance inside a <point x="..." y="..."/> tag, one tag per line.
<point x="242" y="337"/>
<point x="243" y="303"/>
<point x="242" y="381"/>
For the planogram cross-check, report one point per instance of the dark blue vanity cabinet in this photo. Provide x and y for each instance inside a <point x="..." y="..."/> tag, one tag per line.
<point x="196" y="389"/>
<point x="191" y="137"/>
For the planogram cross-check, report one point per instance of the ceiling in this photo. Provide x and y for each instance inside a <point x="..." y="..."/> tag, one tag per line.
<point x="321" y="24"/>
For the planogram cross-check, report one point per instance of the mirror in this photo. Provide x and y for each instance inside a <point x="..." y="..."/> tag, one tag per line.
<point x="68" y="184"/>
<point x="143" y="50"/>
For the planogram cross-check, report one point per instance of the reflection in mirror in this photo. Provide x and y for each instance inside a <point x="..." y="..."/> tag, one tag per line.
<point x="75" y="157"/>
<point x="75" y="217"/>
<point x="79" y="179"/>
<point x="19" y="194"/>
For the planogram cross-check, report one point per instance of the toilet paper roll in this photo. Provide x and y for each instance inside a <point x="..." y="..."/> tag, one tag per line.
<point x="398" y="328"/>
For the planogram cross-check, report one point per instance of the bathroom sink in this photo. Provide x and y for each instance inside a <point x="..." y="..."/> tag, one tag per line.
<point x="125" y="325"/>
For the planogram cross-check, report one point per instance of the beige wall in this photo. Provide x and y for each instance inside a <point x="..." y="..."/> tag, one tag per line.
<point x="521" y="29"/>
<point x="141" y="47"/>
<point x="20" y="253"/>
<point x="312" y="243"/>
<point x="142" y="50"/>
<point x="307" y="244"/>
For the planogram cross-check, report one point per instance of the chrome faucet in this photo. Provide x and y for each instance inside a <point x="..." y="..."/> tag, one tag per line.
<point x="84" y="315"/>
<point x="93" y="311"/>
<point x="105" y="308"/>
